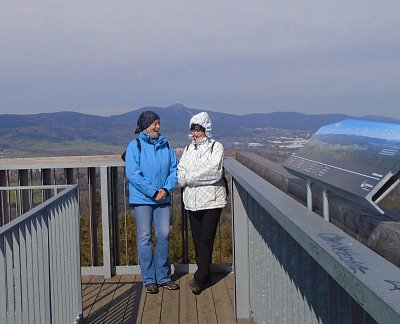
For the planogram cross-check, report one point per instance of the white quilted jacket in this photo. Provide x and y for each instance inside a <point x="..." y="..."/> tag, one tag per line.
<point x="200" y="174"/>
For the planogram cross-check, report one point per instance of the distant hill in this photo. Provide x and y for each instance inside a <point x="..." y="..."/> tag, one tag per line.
<point x="72" y="133"/>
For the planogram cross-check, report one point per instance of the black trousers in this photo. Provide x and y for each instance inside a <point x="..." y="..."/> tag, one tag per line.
<point x="203" y="224"/>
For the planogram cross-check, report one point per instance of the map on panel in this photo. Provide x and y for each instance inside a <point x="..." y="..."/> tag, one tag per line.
<point x="358" y="156"/>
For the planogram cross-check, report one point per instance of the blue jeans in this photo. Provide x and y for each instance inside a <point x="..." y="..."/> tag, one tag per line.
<point x="154" y="269"/>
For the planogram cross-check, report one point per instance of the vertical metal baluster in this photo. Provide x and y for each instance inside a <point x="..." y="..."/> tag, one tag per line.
<point x="126" y="221"/>
<point x="9" y="196"/>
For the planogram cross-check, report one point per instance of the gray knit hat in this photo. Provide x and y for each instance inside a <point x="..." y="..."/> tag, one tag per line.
<point x="145" y="119"/>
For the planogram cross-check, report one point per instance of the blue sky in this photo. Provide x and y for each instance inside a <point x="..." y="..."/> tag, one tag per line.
<point x="109" y="57"/>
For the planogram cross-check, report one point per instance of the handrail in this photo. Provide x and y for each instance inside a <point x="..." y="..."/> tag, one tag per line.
<point x="60" y="162"/>
<point x="291" y="265"/>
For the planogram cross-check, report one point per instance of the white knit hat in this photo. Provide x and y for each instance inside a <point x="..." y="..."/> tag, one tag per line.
<point x="203" y="120"/>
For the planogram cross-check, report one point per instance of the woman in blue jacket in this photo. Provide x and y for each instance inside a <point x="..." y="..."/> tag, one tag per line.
<point x="151" y="170"/>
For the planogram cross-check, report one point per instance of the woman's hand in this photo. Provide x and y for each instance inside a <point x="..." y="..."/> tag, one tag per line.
<point x="161" y="195"/>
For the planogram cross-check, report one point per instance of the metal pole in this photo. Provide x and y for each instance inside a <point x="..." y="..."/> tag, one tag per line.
<point x="105" y="221"/>
<point x="46" y="180"/>
<point x="3" y="198"/>
<point x="325" y="203"/>
<point x="185" y="239"/>
<point x="24" y="194"/>
<point x="309" y="194"/>
<point x="69" y="175"/>
<point x="114" y="215"/>
<point x="93" y="216"/>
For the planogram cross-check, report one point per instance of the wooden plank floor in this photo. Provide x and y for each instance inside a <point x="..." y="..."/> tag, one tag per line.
<point x="122" y="299"/>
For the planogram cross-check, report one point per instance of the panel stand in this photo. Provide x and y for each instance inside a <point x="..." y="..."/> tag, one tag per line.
<point x="325" y="203"/>
<point x="309" y="194"/>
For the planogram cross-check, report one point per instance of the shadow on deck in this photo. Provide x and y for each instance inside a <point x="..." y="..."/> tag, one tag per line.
<point x="122" y="299"/>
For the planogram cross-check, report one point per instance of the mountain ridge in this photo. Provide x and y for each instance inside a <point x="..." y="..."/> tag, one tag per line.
<point x="26" y="133"/>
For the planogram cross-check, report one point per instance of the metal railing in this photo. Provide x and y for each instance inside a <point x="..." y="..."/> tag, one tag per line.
<point x="40" y="262"/>
<point x="291" y="266"/>
<point x="101" y="198"/>
<point x="108" y="240"/>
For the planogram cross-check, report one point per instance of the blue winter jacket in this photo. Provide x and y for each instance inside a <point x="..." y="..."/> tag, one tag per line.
<point x="150" y="168"/>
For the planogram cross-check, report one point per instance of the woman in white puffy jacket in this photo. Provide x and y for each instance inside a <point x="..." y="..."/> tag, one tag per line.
<point x="200" y="173"/>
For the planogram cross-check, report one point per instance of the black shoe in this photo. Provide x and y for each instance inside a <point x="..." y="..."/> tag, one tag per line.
<point x="195" y="286"/>
<point x="151" y="288"/>
<point x="170" y="285"/>
<point x="206" y="283"/>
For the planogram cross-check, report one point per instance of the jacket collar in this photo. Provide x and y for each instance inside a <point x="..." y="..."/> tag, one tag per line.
<point x="147" y="138"/>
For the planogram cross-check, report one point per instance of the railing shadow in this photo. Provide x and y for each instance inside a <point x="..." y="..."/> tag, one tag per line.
<point x="121" y="309"/>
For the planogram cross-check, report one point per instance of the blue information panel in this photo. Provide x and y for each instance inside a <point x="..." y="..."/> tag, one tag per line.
<point x="356" y="156"/>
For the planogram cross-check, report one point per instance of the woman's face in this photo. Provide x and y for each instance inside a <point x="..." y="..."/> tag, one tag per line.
<point x="198" y="135"/>
<point x="154" y="129"/>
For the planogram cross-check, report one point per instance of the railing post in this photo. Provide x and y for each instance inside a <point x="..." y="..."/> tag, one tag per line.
<point x="24" y="194"/>
<point x="46" y="180"/>
<point x="105" y="220"/>
<point x="325" y="203"/>
<point x="3" y="286"/>
<point x="94" y="252"/>
<point x="69" y="175"/>
<point x="114" y="213"/>
<point x="3" y="198"/>
<point x="78" y="276"/>
<point x="240" y="251"/>
<point x="309" y="194"/>
<point x="185" y="232"/>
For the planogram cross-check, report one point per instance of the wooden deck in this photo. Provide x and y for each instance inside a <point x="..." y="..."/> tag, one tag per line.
<point x="122" y="299"/>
